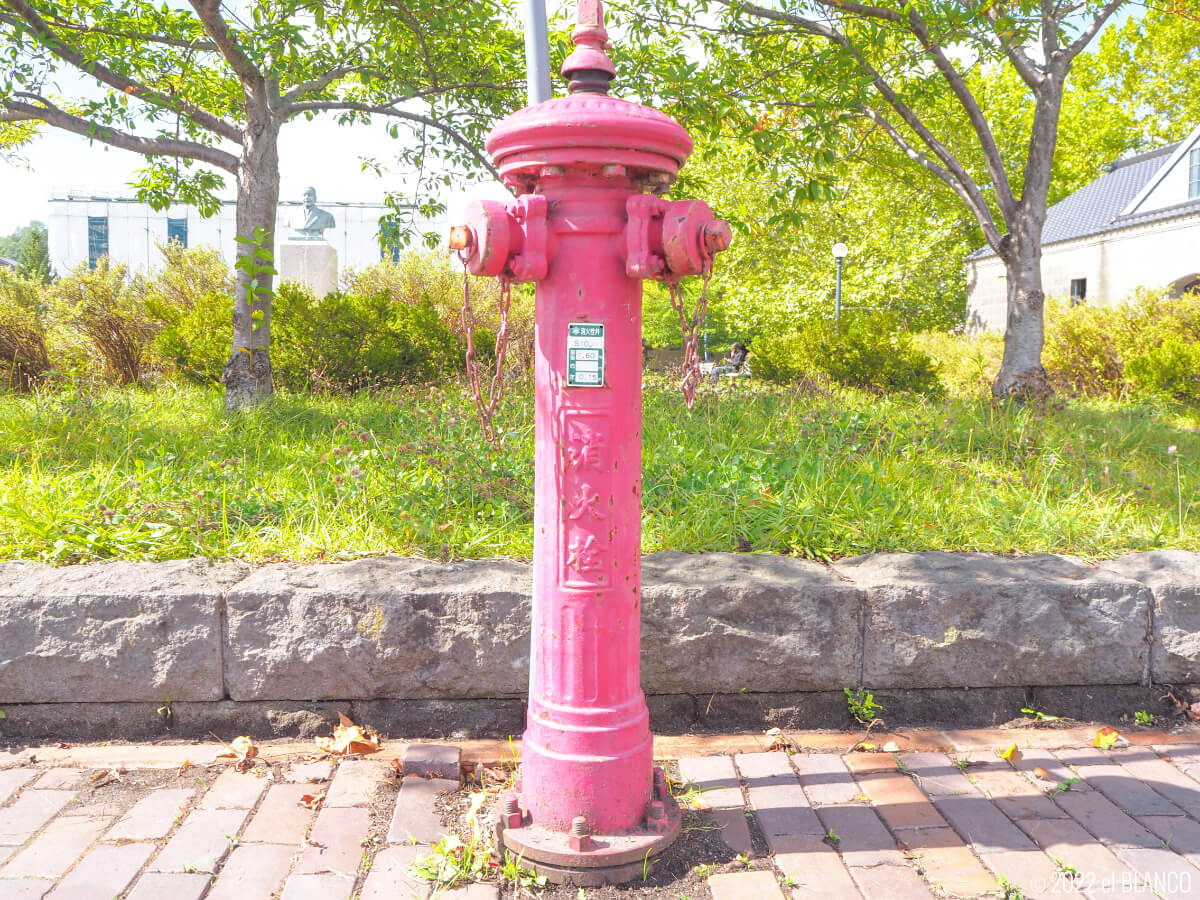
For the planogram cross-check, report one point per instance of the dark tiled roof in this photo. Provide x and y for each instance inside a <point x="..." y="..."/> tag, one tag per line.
<point x="1096" y="207"/>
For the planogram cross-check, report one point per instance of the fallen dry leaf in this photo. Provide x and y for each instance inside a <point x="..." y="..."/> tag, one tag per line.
<point x="1106" y="737"/>
<point x="864" y="747"/>
<point x="183" y="767"/>
<point x="312" y="801"/>
<point x="349" y="738"/>
<point x="1010" y="754"/>
<point x="63" y="745"/>
<point x="100" y="779"/>
<point x="1039" y="772"/>
<point x="891" y="747"/>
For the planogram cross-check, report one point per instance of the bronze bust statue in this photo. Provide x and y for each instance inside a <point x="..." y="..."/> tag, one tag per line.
<point x="314" y="221"/>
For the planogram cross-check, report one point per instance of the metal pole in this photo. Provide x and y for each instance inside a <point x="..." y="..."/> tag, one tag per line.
<point x="837" y="296"/>
<point x="537" y="50"/>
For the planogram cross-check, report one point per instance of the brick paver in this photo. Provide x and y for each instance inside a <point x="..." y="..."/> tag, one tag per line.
<point x="105" y="872"/>
<point x="12" y="780"/>
<point x="30" y="811"/>
<point x="318" y="887"/>
<point x="735" y="831"/>
<point x="335" y="844"/>
<point x="1136" y="798"/>
<point x="814" y="867"/>
<point x="152" y="816"/>
<point x="174" y="886"/>
<point x="745" y="886"/>
<point x="202" y="841"/>
<point x="714" y="777"/>
<point x="56" y="849"/>
<point x="389" y="878"/>
<point x="281" y="818"/>
<point x="253" y="872"/>
<point x="355" y="782"/>
<point x="234" y="790"/>
<point x="442" y="761"/>
<point x="59" y="779"/>
<point x="414" y="818"/>
<point x="309" y="772"/>
<point x="890" y="883"/>
<point x="25" y="888"/>
<point x="914" y="824"/>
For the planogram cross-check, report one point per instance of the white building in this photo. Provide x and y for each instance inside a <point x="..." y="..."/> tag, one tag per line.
<point x="83" y="227"/>
<point x="1137" y="225"/>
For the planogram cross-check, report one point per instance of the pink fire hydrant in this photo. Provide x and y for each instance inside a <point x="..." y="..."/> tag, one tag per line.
<point x="587" y="226"/>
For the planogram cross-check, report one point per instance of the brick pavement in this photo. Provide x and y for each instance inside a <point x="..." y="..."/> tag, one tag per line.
<point x="1062" y="821"/>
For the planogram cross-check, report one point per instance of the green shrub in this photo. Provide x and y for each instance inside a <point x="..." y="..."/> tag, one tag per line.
<point x="966" y="364"/>
<point x="866" y="351"/>
<point x="23" y="356"/>
<point x="1171" y="368"/>
<point x="1082" y="353"/>
<point x="348" y="341"/>
<point x="103" y="315"/>
<point x="191" y="296"/>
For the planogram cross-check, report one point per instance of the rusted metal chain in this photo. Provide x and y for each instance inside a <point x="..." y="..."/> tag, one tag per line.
<point x="486" y="408"/>
<point x="690" y="327"/>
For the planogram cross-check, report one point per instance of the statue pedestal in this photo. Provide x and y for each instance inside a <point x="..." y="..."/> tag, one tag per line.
<point x="312" y="263"/>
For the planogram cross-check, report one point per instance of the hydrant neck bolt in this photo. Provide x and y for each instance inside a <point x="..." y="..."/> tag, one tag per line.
<point x="579" y="826"/>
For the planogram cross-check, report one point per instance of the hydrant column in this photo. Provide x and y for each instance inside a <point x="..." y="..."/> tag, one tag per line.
<point x="587" y="747"/>
<point x="587" y="226"/>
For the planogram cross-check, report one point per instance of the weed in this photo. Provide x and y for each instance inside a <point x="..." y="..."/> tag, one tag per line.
<point x="962" y="763"/>
<point x="232" y="838"/>
<point x="862" y="705"/>
<point x="512" y="870"/>
<point x="1065" y="868"/>
<point x="901" y="765"/>
<point x="832" y="836"/>
<point x="1039" y="716"/>
<point x="647" y="863"/>
<point x="189" y="867"/>
<point x="1011" y="891"/>
<point x="1144" y="718"/>
<point x="703" y="870"/>
<point x="452" y="861"/>
<point x="1062" y="786"/>
<point x="789" y="881"/>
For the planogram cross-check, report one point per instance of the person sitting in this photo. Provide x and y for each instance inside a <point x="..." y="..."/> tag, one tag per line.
<point x="737" y="362"/>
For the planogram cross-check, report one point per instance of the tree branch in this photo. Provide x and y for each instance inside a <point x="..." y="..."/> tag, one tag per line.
<point x="387" y="110"/>
<point x="987" y="141"/>
<point x="209" y="14"/>
<point x="982" y="214"/>
<point x="15" y="111"/>
<point x="52" y="42"/>
<point x="1088" y="33"/>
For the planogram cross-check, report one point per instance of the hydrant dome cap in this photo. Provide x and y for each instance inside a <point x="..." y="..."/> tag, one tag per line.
<point x="588" y="129"/>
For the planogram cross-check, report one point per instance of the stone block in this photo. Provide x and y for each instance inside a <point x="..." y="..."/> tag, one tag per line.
<point x="1173" y="576"/>
<point x="380" y="628"/>
<point x="721" y="622"/>
<point x="112" y="631"/>
<point x="312" y="263"/>
<point x="938" y="619"/>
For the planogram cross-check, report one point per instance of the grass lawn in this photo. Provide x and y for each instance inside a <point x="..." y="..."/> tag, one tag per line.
<point x="165" y="473"/>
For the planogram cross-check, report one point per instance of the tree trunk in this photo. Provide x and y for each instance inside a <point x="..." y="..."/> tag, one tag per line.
<point x="247" y="375"/>
<point x="1021" y="375"/>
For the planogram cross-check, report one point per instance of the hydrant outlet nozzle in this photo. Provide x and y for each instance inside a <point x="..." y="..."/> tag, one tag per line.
<point x="461" y="238"/>
<point x="717" y="236"/>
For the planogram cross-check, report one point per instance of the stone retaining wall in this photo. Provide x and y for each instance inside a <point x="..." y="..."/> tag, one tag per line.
<point x="713" y="624"/>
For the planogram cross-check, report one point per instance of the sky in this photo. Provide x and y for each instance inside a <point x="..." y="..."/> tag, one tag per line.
<point x="319" y="153"/>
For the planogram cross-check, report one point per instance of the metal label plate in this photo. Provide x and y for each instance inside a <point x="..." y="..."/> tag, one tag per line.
<point x="585" y="354"/>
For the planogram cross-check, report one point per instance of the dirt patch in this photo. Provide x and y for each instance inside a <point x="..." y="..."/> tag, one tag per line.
<point x="682" y="870"/>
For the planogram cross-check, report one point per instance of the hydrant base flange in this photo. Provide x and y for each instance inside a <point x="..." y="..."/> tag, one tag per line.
<point x="609" y="858"/>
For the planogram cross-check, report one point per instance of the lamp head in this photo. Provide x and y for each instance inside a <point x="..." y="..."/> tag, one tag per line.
<point x="840" y="250"/>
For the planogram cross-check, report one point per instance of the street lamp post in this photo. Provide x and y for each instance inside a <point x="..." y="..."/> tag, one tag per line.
<point x="839" y="253"/>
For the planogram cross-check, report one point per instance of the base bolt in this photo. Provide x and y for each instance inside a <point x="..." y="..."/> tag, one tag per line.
<point x="512" y="812"/>
<point x="579" y="839"/>
<point x="656" y="817"/>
